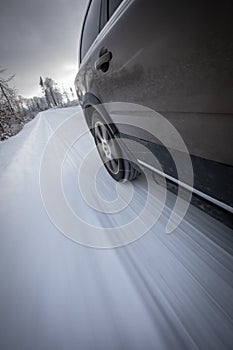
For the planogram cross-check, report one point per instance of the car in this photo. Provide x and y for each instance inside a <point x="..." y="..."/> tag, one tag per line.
<point x="174" y="57"/>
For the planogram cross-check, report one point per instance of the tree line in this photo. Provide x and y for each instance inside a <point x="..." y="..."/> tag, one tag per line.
<point x="16" y="110"/>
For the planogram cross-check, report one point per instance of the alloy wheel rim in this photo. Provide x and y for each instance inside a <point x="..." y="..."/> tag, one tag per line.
<point x="107" y="147"/>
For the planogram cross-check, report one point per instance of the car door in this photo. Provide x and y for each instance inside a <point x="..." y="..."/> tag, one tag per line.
<point x="173" y="58"/>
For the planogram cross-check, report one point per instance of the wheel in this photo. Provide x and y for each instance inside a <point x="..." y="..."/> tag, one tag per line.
<point x="110" y="152"/>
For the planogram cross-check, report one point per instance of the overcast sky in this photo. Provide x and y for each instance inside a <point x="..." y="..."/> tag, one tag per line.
<point x="40" y="38"/>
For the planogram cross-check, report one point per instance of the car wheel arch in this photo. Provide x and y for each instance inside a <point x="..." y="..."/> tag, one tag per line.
<point x="91" y="103"/>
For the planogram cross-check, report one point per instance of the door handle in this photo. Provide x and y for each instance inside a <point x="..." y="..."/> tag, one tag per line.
<point x="102" y="63"/>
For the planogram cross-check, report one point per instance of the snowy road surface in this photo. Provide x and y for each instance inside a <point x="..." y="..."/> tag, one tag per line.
<point x="160" y="292"/>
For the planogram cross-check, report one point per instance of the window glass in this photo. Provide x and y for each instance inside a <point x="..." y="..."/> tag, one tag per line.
<point x="104" y="14"/>
<point x="91" y="26"/>
<point x="112" y="6"/>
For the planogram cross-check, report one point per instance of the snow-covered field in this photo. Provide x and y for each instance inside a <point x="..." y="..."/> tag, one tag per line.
<point x="159" y="292"/>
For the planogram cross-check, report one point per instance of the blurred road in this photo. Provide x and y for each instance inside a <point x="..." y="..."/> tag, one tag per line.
<point x="160" y="292"/>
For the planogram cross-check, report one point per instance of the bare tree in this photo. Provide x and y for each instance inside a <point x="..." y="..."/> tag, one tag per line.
<point x="65" y="94"/>
<point x="72" y="93"/>
<point x="15" y="110"/>
<point x="7" y="92"/>
<point x="46" y="92"/>
<point x="52" y="93"/>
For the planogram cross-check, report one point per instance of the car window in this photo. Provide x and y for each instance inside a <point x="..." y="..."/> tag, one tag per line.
<point x="104" y="13"/>
<point x="91" y="26"/>
<point x="112" y="6"/>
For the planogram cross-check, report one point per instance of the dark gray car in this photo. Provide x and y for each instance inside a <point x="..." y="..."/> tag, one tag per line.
<point x="174" y="57"/>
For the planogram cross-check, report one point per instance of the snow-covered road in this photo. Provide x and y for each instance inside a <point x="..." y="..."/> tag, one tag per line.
<point x="159" y="292"/>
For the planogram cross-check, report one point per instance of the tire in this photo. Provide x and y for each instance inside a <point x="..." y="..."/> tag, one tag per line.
<point x="110" y="152"/>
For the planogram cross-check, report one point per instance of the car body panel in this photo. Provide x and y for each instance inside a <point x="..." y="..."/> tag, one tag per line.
<point x="175" y="58"/>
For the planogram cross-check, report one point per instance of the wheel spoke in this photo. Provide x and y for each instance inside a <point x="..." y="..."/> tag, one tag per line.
<point x="102" y="153"/>
<point x="113" y="146"/>
<point x="105" y="133"/>
<point x="98" y="139"/>
<point x="98" y="132"/>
